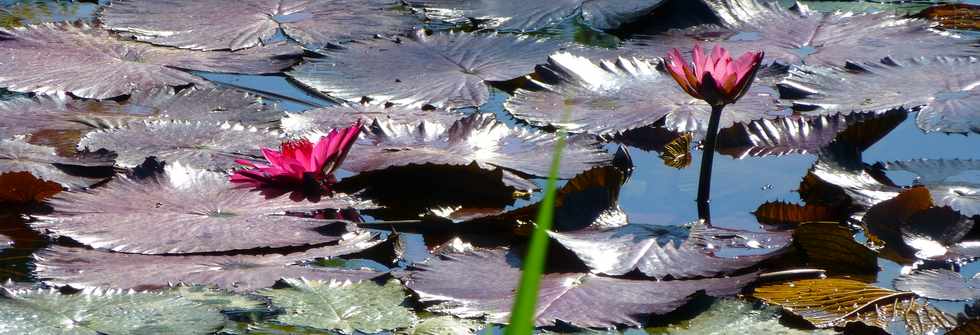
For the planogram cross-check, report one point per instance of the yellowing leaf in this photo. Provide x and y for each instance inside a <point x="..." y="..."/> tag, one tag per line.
<point x="677" y="153"/>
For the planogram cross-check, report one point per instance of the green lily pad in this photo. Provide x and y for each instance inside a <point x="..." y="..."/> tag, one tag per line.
<point x="344" y="306"/>
<point x="443" y="325"/>
<point x="218" y="299"/>
<point x="729" y="316"/>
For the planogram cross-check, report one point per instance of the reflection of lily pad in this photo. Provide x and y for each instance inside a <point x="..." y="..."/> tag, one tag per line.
<point x="443" y="69"/>
<point x="182" y="210"/>
<point x="89" y="62"/>
<point x="940" y="284"/>
<point x="215" y="25"/>
<point x="45" y="164"/>
<point x="516" y="15"/>
<point x="613" y="96"/>
<point x="345" y="306"/>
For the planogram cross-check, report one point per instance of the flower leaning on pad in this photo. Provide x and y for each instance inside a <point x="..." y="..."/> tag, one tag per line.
<point x="300" y="162"/>
<point x="715" y="78"/>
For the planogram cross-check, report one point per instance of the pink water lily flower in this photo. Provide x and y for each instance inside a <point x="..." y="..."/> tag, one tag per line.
<point x="715" y="78"/>
<point x="300" y="162"/>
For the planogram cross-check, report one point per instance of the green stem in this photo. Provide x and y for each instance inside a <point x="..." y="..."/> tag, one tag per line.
<point x="707" y="159"/>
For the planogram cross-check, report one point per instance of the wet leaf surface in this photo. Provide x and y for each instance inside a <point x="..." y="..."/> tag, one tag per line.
<point x="344" y="306"/>
<point x="90" y="62"/>
<point x="322" y="120"/>
<point x="455" y="68"/>
<point x="524" y="16"/>
<point x="223" y="300"/>
<point x="93" y="312"/>
<point x="797" y="134"/>
<point x="728" y="316"/>
<point x="778" y="214"/>
<point x="444" y="325"/>
<point x="950" y="182"/>
<point x="954" y="16"/>
<point x="677" y="153"/>
<point x="44" y="164"/>
<point x="940" y="284"/>
<point x="23" y="187"/>
<point x="617" y="95"/>
<point x="830" y="246"/>
<point x="238" y="25"/>
<point x="186" y="210"/>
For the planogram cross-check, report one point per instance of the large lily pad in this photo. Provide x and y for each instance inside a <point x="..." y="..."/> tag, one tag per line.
<point x="482" y="283"/>
<point x="613" y="96"/>
<point x="237" y="25"/>
<point x="204" y="104"/>
<point x="943" y="87"/>
<point x="523" y="16"/>
<point x="96" y="311"/>
<point x="208" y="145"/>
<point x="322" y="120"/>
<point x="442" y="70"/>
<point x="478" y="138"/>
<point x="81" y="268"/>
<point x="342" y="305"/>
<point x="187" y="210"/>
<point x="798" y="35"/>
<point x="89" y="62"/>
<point x="45" y="164"/>
<point x="940" y="284"/>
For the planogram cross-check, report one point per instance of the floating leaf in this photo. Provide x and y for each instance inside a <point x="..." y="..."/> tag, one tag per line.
<point x="797" y="35"/>
<point x="677" y="153"/>
<point x="613" y="96"/>
<point x="867" y="6"/>
<point x="244" y="24"/>
<point x="954" y="16"/>
<point x="940" y="284"/>
<point x="442" y="70"/>
<point x="795" y="134"/>
<point x="942" y="86"/>
<point x="482" y="283"/>
<point x="322" y="120"/>
<point x="524" y="16"/>
<point x="79" y="268"/>
<point x="204" y="104"/>
<point x="46" y="165"/>
<point x="96" y="311"/>
<point x="444" y="325"/>
<point x="89" y="62"/>
<point x="970" y="327"/>
<point x="940" y="177"/>
<point x="216" y="298"/>
<point x="864" y="186"/>
<point x="728" y="316"/>
<point x="206" y="145"/>
<point x="19" y="13"/>
<point x="835" y="302"/>
<point x="363" y="306"/>
<point x="186" y="210"/>
<point x="828" y="245"/>
<point x="23" y="187"/>
<point x="478" y="138"/>
<point x="778" y="213"/>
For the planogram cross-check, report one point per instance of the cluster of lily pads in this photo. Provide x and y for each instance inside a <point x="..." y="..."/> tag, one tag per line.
<point x="110" y="130"/>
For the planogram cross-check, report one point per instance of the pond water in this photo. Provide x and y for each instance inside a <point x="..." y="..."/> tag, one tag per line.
<point x="655" y="194"/>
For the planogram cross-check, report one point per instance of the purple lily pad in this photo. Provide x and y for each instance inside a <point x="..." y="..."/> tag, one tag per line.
<point x="322" y="120"/>
<point x="89" y="62"/>
<point x="524" y="16"/>
<point x="43" y="163"/>
<point x="613" y="96"/>
<point x="187" y="210"/>
<point x="204" y="104"/>
<point x="482" y="283"/>
<point x="83" y="268"/>
<point x="442" y="70"/>
<point x="797" y="35"/>
<point x="207" y="145"/>
<point x="478" y="138"/>
<point x="940" y="284"/>
<point x="234" y="25"/>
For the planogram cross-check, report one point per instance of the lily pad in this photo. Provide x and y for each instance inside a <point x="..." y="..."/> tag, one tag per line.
<point x="217" y="298"/>
<point x="23" y="187"/>
<point x="206" y="145"/>
<point x="80" y="268"/>
<point x="482" y="283"/>
<point x="613" y="96"/>
<point x="96" y="311"/>
<point x="344" y="306"/>
<point x="45" y="164"/>
<point x="444" y="325"/>
<point x="790" y="135"/>
<point x="940" y="284"/>
<point x="89" y="62"/>
<point x="187" y="210"/>
<point x="524" y="16"/>
<point x="322" y="120"/>
<point x="798" y="35"/>
<point x="729" y="316"/>
<point x="442" y="69"/>
<point x="940" y="177"/>
<point x="942" y="87"/>
<point x="779" y="213"/>
<point x="204" y="104"/>
<point x="238" y="25"/>
<point x="478" y="138"/>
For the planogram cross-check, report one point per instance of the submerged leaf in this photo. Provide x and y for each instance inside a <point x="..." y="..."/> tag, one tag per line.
<point x="90" y="62"/>
<point x="524" y="16"/>
<point x="321" y="120"/>
<point x="344" y="306"/>
<point x="244" y="24"/>
<point x="613" y="96"/>
<point x="442" y="70"/>
<point x="940" y="284"/>
<point x="835" y="302"/>
<point x="46" y="165"/>
<point x="185" y="210"/>
<point x="482" y="283"/>
<point x="96" y="311"/>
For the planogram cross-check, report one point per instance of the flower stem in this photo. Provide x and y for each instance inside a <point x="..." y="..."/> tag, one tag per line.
<point x="707" y="158"/>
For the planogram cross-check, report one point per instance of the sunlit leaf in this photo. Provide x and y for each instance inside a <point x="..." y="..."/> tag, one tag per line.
<point x="442" y="70"/>
<point x="443" y="325"/>
<point x="89" y="62"/>
<point x="954" y="16"/>
<point x="183" y="210"/>
<point x="344" y="306"/>
<point x="617" y="95"/>
<point x="206" y="145"/>
<point x="204" y="104"/>
<point x="729" y="316"/>
<point x="219" y="299"/>
<point x="322" y="120"/>
<point x="523" y="16"/>
<point x="949" y="181"/>
<point x="96" y="311"/>
<point x="46" y="165"/>
<point x="867" y="6"/>
<point x="243" y="24"/>
<point x="790" y="135"/>
<point x="781" y="214"/>
<point x="835" y="302"/>
<point x="940" y="284"/>
<point x="677" y="153"/>
<point x="482" y="283"/>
